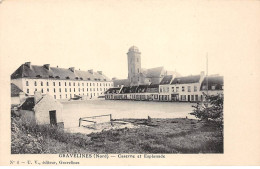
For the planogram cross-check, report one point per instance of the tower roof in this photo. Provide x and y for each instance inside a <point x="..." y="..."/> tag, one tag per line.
<point x="133" y="49"/>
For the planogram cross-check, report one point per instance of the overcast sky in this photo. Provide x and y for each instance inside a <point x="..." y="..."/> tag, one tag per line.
<point x="97" y="34"/>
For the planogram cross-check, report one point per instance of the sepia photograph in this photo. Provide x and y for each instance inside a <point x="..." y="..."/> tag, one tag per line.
<point x="125" y="79"/>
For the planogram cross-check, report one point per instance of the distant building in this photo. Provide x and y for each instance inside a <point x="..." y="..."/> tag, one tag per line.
<point x="140" y="76"/>
<point x="164" y="88"/>
<point x="187" y="88"/>
<point x="215" y="85"/>
<point x="60" y="83"/>
<point x="41" y="110"/>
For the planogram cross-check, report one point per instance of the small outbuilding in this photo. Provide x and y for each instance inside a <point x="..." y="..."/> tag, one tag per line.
<point x="42" y="110"/>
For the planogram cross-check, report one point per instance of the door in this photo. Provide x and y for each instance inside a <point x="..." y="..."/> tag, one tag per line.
<point x="188" y="98"/>
<point x="53" y="119"/>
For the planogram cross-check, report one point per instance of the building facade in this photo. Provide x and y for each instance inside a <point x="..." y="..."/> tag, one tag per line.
<point x="187" y="88"/>
<point x="178" y="89"/>
<point x="60" y="83"/>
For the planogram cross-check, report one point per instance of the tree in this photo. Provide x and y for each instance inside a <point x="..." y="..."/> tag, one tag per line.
<point x="210" y="109"/>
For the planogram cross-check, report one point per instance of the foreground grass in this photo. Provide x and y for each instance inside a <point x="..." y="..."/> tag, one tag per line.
<point x="155" y="136"/>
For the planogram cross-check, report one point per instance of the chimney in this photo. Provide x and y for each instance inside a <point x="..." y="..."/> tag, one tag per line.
<point x="22" y="97"/>
<point x="37" y="96"/>
<point x="99" y="72"/>
<point x="114" y="78"/>
<point x="28" y="64"/>
<point x="90" y="71"/>
<point x="47" y="66"/>
<point x="72" y="69"/>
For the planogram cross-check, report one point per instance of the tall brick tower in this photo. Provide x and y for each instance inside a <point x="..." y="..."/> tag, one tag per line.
<point x="134" y="64"/>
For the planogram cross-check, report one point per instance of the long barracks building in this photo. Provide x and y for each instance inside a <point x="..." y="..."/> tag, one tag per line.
<point x="60" y="83"/>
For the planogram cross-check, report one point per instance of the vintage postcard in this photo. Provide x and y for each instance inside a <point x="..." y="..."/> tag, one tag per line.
<point x="135" y="82"/>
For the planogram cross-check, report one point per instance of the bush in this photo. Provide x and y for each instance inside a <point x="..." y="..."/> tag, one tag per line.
<point x="211" y="109"/>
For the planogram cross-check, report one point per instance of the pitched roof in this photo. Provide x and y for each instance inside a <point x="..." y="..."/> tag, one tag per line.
<point x="186" y="79"/>
<point x="166" y="79"/>
<point x="119" y="82"/>
<point x="35" y="71"/>
<point x="15" y="90"/>
<point x="153" y="72"/>
<point x="28" y="104"/>
<point x="113" y="90"/>
<point x="216" y="81"/>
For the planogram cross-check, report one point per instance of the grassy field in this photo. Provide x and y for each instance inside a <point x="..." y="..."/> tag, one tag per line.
<point x="154" y="136"/>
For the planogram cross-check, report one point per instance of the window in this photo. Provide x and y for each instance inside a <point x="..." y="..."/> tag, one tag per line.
<point x="42" y="90"/>
<point x="66" y="85"/>
<point x="97" y="89"/>
<point x="138" y="70"/>
<point x="60" y="96"/>
<point x="70" y="89"/>
<point x="54" y="96"/>
<point x="47" y="83"/>
<point x="83" y="89"/>
<point x="35" y="83"/>
<point x="35" y="90"/>
<point x="183" y="97"/>
<point x="69" y="84"/>
<point x="192" y="97"/>
<point x="87" y="84"/>
<point x="79" y="89"/>
<point x="172" y="89"/>
<point x="41" y="83"/>
<point x="27" y="83"/>
<point x="93" y="84"/>
<point x="66" y="90"/>
<point x="74" y="90"/>
<point x="177" y="89"/>
<point x="213" y="87"/>
<point x="188" y="88"/>
<point x="54" y="90"/>
<point x="183" y="89"/>
<point x="47" y="89"/>
<point x="60" y="90"/>
<point x="137" y="61"/>
<point x="59" y="84"/>
<point x="27" y="90"/>
<point x="78" y="84"/>
<point x="195" y="88"/>
<point x="82" y="84"/>
<point x="53" y="83"/>
<point x="74" y="84"/>
<point x="66" y="96"/>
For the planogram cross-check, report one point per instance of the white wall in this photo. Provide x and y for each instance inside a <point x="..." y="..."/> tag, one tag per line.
<point x="96" y="89"/>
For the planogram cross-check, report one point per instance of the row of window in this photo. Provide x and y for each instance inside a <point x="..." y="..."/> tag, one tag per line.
<point x="183" y="89"/>
<point x="54" y="90"/>
<point x="71" y="96"/>
<point x="69" y="84"/>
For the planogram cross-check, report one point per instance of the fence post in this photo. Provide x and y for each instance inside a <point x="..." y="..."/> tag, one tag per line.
<point x="79" y="122"/>
<point x="95" y="125"/>
<point x="111" y="119"/>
